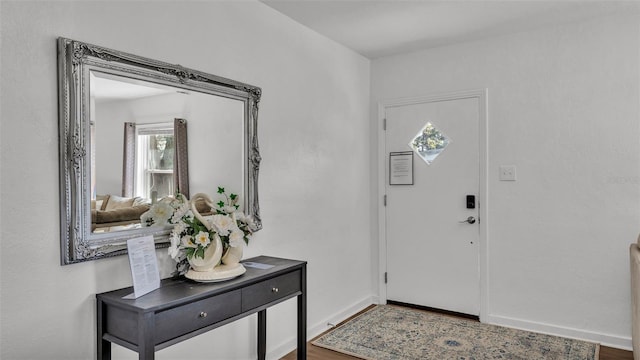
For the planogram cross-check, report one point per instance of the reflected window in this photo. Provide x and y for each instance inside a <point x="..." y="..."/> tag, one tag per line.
<point x="429" y="143"/>
<point x="155" y="147"/>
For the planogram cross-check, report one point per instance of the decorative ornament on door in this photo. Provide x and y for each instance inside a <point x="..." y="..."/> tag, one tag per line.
<point x="429" y="143"/>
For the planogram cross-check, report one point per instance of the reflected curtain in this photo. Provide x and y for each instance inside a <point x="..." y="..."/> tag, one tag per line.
<point x="129" y="159"/>
<point x="181" y="160"/>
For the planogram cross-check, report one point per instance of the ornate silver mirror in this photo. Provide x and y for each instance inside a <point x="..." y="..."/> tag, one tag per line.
<point x="134" y="131"/>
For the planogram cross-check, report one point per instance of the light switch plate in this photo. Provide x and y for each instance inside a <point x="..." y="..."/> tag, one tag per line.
<point x="507" y="173"/>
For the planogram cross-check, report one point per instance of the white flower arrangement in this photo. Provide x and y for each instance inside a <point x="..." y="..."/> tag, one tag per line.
<point x="190" y="237"/>
<point x="159" y="214"/>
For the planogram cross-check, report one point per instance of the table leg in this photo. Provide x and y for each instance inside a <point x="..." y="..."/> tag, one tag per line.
<point x="104" y="346"/>
<point x="146" y="343"/>
<point x="104" y="350"/>
<point x="262" y="334"/>
<point x="302" y="317"/>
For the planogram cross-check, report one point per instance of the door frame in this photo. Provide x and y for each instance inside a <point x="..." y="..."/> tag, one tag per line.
<point x="483" y="154"/>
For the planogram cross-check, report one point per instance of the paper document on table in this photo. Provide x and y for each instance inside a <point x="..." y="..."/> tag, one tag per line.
<point x="256" y="265"/>
<point x="144" y="266"/>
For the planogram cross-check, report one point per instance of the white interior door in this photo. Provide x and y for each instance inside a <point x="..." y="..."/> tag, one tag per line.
<point x="432" y="252"/>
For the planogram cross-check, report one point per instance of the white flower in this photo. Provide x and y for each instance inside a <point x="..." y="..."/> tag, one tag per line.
<point x="161" y="213"/>
<point x="179" y="228"/>
<point x="187" y="241"/>
<point x="223" y="224"/>
<point x="236" y="238"/>
<point x="174" y="252"/>
<point x="175" y="238"/>
<point x="202" y="239"/>
<point x="144" y="218"/>
<point x="247" y="219"/>
<point x="174" y="248"/>
<point x="229" y="209"/>
<point x="183" y="210"/>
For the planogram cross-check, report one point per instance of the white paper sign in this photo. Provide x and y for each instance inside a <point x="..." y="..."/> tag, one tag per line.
<point x="401" y="168"/>
<point x="256" y="265"/>
<point x="144" y="266"/>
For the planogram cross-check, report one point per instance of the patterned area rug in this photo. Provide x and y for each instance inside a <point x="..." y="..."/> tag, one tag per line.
<point x="396" y="333"/>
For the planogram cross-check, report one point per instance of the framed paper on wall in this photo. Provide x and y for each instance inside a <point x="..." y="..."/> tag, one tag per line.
<point x="401" y="168"/>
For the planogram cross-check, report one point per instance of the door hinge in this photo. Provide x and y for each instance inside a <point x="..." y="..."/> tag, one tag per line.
<point x="384" y="200"/>
<point x="384" y="124"/>
<point x="386" y="278"/>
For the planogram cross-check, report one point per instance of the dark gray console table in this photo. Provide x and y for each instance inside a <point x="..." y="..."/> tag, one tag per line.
<point x="181" y="309"/>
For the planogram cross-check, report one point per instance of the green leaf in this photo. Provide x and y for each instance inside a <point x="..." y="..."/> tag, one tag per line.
<point x="200" y="252"/>
<point x="221" y="203"/>
<point x="220" y="190"/>
<point x="233" y="196"/>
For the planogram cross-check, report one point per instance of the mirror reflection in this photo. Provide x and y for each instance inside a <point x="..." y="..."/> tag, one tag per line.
<point x="135" y="131"/>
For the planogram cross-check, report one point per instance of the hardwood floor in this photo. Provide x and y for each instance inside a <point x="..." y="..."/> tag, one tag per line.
<point x="607" y="353"/>
<point x="318" y="353"/>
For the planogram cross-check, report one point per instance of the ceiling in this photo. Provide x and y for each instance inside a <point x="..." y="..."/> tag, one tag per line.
<point x="377" y="28"/>
<point x="106" y="87"/>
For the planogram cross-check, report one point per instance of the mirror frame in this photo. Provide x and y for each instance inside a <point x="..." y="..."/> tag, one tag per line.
<point x="75" y="61"/>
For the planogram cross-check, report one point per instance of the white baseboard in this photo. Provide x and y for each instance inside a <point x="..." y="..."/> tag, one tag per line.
<point x="320" y="327"/>
<point x="615" y="341"/>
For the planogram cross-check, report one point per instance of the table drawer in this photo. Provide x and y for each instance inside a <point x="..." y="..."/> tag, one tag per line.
<point x="184" y="319"/>
<point x="270" y="290"/>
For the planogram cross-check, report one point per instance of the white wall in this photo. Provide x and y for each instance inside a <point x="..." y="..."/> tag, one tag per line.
<point x="314" y="179"/>
<point x="563" y="108"/>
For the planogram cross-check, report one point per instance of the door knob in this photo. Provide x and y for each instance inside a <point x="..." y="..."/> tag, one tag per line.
<point x="470" y="220"/>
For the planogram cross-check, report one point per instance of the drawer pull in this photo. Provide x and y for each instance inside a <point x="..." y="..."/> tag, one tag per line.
<point x="274" y="290"/>
<point x="203" y="314"/>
